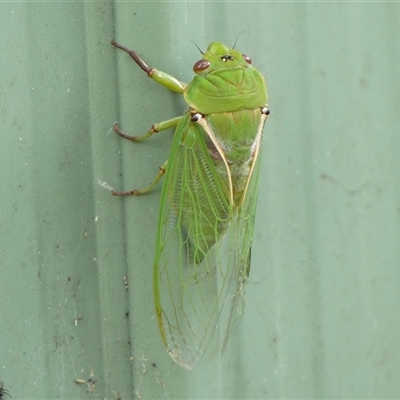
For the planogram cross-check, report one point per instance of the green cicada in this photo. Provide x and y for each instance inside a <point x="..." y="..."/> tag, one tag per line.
<point x="208" y="200"/>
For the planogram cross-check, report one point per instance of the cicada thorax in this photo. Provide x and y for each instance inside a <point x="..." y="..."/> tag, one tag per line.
<point x="237" y="137"/>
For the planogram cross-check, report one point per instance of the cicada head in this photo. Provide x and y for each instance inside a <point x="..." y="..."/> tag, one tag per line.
<point x="218" y="56"/>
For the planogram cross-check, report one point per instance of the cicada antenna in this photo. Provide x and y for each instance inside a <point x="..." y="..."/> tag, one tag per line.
<point x="196" y="46"/>
<point x="237" y="37"/>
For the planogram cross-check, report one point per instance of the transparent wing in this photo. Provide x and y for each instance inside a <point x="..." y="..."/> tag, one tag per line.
<point x="191" y="275"/>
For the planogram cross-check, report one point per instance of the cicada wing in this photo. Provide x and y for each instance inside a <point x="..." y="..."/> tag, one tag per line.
<point x="194" y="265"/>
<point x="241" y="238"/>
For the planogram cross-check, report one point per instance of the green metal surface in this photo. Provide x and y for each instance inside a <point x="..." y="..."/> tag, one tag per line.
<point x="322" y="317"/>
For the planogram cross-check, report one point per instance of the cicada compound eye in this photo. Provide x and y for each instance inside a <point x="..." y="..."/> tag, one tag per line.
<point x="246" y="58"/>
<point x="201" y="65"/>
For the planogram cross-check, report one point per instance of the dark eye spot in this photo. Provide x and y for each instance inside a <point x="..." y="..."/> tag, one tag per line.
<point x="226" y="58"/>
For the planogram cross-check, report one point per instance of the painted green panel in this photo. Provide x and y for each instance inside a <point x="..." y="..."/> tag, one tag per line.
<point x="322" y="316"/>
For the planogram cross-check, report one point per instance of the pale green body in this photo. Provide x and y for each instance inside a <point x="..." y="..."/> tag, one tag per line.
<point x="208" y="201"/>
